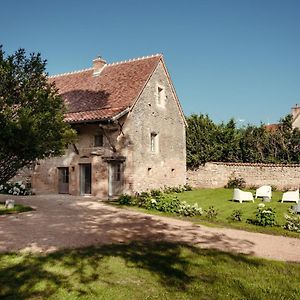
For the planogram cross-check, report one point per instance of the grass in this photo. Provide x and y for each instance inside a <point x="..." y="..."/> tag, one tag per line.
<point x="145" y="271"/>
<point x="18" y="208"/>
<point x="221" y="200"/>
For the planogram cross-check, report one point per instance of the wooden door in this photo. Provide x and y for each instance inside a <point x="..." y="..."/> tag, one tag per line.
<point x="115" y="179"/>
<point x="63" y="180"/>
<point x="85" y="179"/>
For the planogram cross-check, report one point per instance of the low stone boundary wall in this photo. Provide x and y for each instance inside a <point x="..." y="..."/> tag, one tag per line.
<point x="216" y="174"/>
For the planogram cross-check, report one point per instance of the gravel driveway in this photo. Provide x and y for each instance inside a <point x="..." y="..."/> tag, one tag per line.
<point x="68" y="222"/>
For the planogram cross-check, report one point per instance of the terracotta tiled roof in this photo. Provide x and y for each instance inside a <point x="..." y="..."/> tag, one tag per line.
<point x="91" y="97"/>
<point x="272" y="127"/>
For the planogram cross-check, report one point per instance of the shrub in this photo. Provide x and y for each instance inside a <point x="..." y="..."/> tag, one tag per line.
<point x="170" y="205"/>
<point x="17" y="188"/>
<point x="236" y="216"/>
<point x="190" y="210"/>
<point x="211" y="213"/>
<point x="155" y="199"/>
<point x="292" y="221"/>
<point x="156" y="193"/>
<point x="177" y="189"/>
<point x="264" y="217"/>
<point x="144" y="200"/>
<point x="188" y="187"/>
<point x="126" y="200"/>
<point x="235" y="182"/>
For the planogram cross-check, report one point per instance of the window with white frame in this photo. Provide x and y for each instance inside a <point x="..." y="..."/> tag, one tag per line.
<point x="154" y="142"/>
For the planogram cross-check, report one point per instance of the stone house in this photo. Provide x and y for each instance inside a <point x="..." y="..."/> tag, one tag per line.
<point x="131" y="131"/>
<point x="296" y="116"/>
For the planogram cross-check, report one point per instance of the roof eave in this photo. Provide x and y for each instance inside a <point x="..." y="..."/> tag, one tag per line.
<point x="106" y="120"/>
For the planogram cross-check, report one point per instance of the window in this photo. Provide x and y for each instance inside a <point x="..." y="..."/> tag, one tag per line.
<point x="118" y="172"/>
<point x="160" y="96"/>
<point x="98" y="142"/>
<point x="153" y="142"/>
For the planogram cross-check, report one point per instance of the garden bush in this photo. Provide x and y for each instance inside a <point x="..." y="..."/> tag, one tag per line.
<point x="235" y="182"/>
<point x="211" y="213"/>
<point x="236" y="216"/>
<point x="16" y="188"/>
<point x="126" y="200"/>
<point x="157" y="200"/>
<point x="190" y="210"/>
<point x="264" y="217"/>
<point x="292" y="221"/>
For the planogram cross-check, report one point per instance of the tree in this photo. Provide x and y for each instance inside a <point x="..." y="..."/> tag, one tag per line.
<point x="31" y="114"/>
<point x="201" y="140"/>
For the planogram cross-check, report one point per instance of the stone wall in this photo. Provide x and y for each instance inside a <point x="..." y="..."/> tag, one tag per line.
<point x="214" y="175"/>
<point x="166" y="166"/>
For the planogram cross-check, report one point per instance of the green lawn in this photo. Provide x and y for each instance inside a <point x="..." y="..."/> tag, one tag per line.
<point x="145" y="271"/>
<point x="221" y="200"/>
<point x="17" y="209"/>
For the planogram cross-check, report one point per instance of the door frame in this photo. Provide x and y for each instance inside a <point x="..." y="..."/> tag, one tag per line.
<point x="63" y="176"/>
<point x="111" y="173"/>
<point x="82" y="179"/>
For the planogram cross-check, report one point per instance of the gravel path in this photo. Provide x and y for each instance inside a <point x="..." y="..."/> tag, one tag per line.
<point x="69" y="222"/>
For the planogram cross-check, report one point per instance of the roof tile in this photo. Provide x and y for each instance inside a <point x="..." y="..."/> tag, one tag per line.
<point x="93" y="98"/>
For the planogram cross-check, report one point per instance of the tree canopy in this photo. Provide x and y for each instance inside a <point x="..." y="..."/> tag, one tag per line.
<point x="31" y="113"/>
<point x="207" y="141"/>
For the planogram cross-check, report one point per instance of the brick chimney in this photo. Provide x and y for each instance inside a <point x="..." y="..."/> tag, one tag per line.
<point x="98" y="64"/>
<point x="295" y="111"/>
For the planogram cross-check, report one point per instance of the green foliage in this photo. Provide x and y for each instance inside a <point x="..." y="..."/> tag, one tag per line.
<point x="264" y="217"/>
<point x="160" y="201"/>
<point x="201" y="140"/>
<point x="177" y="189"/>
<point x="126" y="200"/>
<point x="17" y="188"/>
<point x="236" y="216"/>
<point x="292" y="221"/>
<point x="188" y="210"/>
<point x="207" y="141"/>
<point x="235" y="182"/>
<point x="211" y="213"/>
<point x="31" y="113"/>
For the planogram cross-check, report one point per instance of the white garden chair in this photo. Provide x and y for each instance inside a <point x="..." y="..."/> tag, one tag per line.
<point x="291" y="196"/>
<point x="264" y="191"/>
<point x="239" y="195"/>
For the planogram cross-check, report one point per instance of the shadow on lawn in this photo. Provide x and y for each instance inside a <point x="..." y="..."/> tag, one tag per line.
<point x="176" y="266"/>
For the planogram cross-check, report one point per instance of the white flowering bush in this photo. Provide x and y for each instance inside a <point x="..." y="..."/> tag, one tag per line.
<point x="16" y="188"/>
<point x="160" y="201"/>
<point x="265" y="216"/>
<point x="189" y="210"/>
<point x="292" y="221"/>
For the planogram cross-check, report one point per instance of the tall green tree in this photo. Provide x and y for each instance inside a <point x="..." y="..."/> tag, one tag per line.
<point x="31" y="113"/>
<point x="201" y="140"/>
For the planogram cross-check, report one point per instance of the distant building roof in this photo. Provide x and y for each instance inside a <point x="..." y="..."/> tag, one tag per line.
<point x="94" y="95"/>
<point x="272" y="127"/>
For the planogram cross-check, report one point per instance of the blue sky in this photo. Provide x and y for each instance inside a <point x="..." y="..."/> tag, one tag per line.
<point x="227" y="58"/>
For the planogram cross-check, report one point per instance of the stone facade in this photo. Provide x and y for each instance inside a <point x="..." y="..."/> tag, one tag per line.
<point x="215" y="175"/>
<point x="164" y="166"/>
<point x="129" y="157"/>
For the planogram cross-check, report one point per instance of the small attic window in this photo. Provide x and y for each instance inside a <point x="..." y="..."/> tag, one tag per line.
<point x="154" y="142"/>
<point x="161" y="95"/>
<point x="98" y="140"/>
